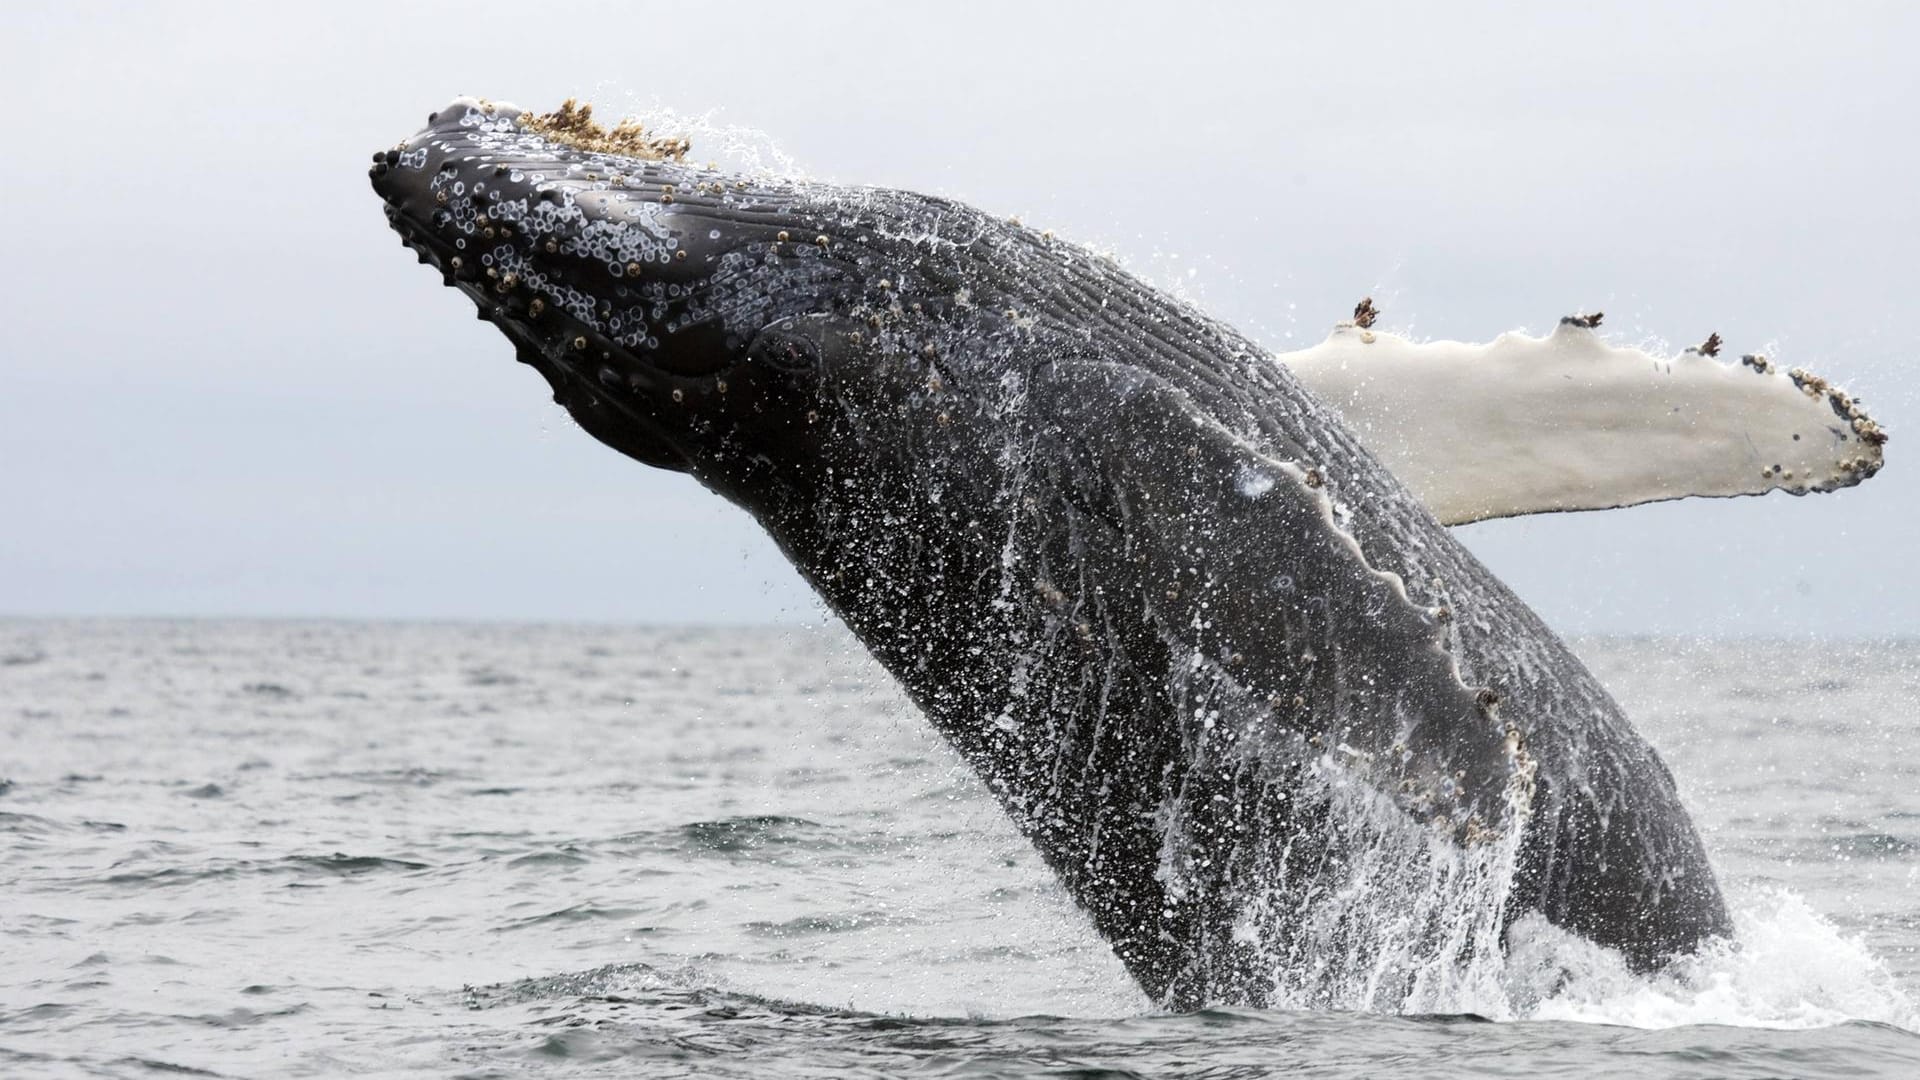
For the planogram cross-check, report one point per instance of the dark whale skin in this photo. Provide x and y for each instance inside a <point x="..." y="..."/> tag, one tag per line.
<point x="1218" y="665"/>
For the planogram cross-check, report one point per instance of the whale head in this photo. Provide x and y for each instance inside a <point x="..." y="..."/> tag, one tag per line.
<point x="701" y="321"/>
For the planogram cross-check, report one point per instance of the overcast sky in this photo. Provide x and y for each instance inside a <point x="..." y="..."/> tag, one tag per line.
<point x="226" y="389"/>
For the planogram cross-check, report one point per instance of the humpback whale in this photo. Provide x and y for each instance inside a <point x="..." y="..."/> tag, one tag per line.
<point x="1282" y="738"/>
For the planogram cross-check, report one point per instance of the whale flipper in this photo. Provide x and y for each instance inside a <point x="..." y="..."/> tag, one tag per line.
<point x="1526" y="425"/>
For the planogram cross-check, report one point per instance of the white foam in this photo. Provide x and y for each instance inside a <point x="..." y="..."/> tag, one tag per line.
<point x="1786" y="967"/>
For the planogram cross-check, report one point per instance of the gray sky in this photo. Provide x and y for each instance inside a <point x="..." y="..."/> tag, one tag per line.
<point x="226" y="389"/>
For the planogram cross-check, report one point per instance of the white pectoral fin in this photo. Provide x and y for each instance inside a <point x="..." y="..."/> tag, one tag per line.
<point x="1526" y="425"/>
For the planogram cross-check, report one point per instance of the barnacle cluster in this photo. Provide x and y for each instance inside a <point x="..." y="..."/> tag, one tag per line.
<point x="573" y="124"/>
<point x="1844" y="406"/>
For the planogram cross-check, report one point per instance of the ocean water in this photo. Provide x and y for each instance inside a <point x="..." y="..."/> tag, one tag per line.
<point x="328" y="848"/>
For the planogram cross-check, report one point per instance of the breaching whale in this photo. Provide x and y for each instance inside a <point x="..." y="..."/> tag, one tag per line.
<point x="1277" y="732"/>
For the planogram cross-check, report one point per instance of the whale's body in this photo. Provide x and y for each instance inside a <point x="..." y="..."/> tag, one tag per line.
<point x="1279" y="734"/>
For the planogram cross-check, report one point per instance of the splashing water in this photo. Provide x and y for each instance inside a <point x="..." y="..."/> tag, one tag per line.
<point x="1786" y="967"/>
<point x="1410" y="924"/>
<point x="734" y="147"/>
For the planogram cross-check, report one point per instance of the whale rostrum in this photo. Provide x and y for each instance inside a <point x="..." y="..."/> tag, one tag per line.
<point x="1282" y="738"/>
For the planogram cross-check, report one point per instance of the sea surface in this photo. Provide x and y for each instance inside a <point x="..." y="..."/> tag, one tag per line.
<point x="266" y="848"/>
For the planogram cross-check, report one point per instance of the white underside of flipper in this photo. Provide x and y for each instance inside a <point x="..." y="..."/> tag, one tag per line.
<point x="1528" y="425"/>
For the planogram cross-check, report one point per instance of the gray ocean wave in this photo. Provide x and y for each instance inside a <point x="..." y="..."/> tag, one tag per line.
<point x="312" y="848"/>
